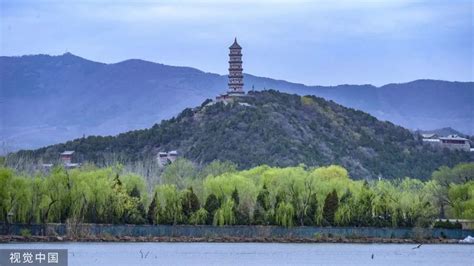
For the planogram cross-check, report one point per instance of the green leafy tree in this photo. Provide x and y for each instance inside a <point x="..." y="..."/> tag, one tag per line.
<point x="211" y="206"/>
<point x="312" y="211"/>
<point x="170" y="200"/>
<point x="153" y="210"/>
<point x="217" y="167"/>
<point x="345" y="215"/>
<point x="225" y="214"/>
<point x="462" y="198"/>
<point x="331" y="205"/>
<point x="285" y="214"/>
<point x="199" y="217"/>
<point x="179" y="172"/>
<point x="363" y="207"/>
<point x="262" y="207"/>
<point x="190" y="203"/>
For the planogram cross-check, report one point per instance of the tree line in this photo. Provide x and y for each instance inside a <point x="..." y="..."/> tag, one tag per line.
<point x="219" y="194"/>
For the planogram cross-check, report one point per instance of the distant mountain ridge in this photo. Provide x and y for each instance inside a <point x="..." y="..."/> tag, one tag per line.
<point x="50" y="99"/>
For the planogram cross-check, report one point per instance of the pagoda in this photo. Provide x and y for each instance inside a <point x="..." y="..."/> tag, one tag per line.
<point x="236" y="77"/>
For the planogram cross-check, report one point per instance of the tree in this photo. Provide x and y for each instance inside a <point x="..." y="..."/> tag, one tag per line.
<point x="199" y="217"/>
<point x="262" y="206"/>
<point x="211" y="206"/>
<point x="346" y="211"/>
<point x="263" y="198"/>
<point x="446" y="177"/>
<point x="312" y="210"/>
<point x="331" y="205"/>
<point x="13" y="195"/>
<point x="217" y="167"/>
<point x="178" y="172"/>
<point x="285" y="214"/>
<point x="56" y="197"/>
<point x="152" y="210"/>
<point x="190" y="203"/>
<point x="462" y="197"/>
<point x="235" y="196"/>
<point x="363" y="212"/>
<point x="170" y="200"/>
<point x="225" y="214"/>
<point x="241" y="214"/>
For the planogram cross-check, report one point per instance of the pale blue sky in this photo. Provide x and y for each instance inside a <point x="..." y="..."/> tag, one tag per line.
<point x="311" y="42"/>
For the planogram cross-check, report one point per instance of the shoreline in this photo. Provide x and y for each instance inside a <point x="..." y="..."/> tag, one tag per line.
<point x="140" y="239"/>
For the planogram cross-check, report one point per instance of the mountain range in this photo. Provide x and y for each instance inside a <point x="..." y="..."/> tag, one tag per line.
<point x="50" y="99"/>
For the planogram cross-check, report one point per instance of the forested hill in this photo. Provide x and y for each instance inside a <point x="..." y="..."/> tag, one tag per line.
<point x="272" y="128"/>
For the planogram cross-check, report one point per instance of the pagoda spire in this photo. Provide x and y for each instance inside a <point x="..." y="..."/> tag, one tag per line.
<point x="236" y="77"/>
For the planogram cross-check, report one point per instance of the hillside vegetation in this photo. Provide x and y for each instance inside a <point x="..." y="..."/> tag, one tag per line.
<point x="272" y="128"/>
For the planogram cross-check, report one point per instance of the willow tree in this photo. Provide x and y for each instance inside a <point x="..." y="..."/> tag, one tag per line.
<point x="462" y="198"/>
<point x="225" y="215"/>
<point x="178" y="172"/>
<point x="285" y="214"/>
<point x="56" y="203"/>
<point x="170" y="202"/>
<point x="345" y="214"/>
<point x="13" y="197"/>
<point x="91" y="195"/>
<point x="385" y="197"/>
<point x="414" y="203"/>
<point x="225" y="185"/>
<point x="217" y="167"/>
<point x="198" y="217"/>
<point x="445" y="178"/>
<point x="35" y="195"/>
<point x="262" y="207"/>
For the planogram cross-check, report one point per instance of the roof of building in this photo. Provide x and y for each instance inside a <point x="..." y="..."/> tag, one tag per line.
<point x="235" y="45"/>
<point x="429" y="136"/>
<point x="452" y="137"/>
<point x="67" y="152"/>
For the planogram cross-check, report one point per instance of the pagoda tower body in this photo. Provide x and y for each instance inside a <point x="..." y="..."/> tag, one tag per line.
<point x="236" y="77"/>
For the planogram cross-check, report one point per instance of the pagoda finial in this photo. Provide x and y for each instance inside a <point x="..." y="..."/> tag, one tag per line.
<point x="235" y="44"/>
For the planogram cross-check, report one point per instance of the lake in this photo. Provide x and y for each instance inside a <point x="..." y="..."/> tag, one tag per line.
<point x="92" y="254"/>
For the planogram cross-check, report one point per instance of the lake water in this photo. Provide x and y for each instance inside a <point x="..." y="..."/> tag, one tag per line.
<point x="92" y="254"/>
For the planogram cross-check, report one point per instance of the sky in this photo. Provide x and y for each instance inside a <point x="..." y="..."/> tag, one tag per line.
<point x="312" y="42"/>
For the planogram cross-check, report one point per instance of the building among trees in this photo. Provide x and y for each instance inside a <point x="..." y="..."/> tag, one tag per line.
<point x="452" y="142"/>
<point x="165" y="158"/>
<point x="66" y="159"/>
